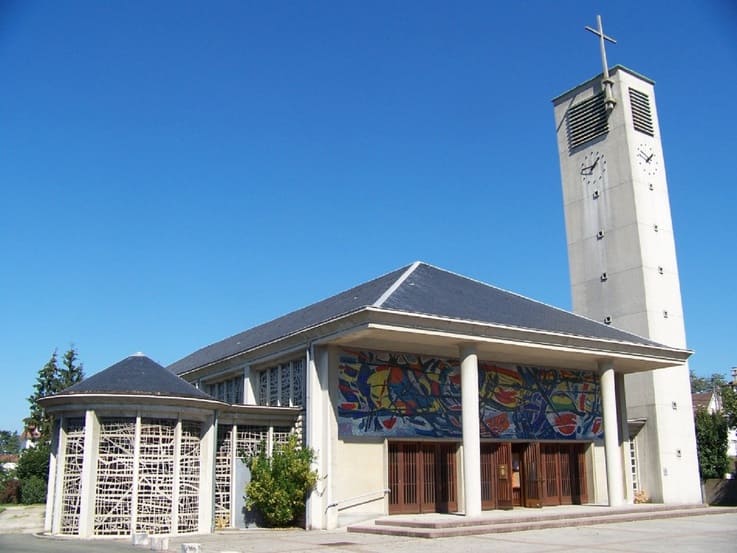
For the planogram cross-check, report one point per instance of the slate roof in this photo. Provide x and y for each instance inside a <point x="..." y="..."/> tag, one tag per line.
<point x="137" y="375"/>
<point x="416" y="289"/>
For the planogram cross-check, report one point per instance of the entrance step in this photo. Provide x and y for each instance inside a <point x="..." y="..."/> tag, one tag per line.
<point x="445" y="526"/>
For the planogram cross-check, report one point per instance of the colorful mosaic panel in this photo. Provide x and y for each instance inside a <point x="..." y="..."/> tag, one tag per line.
<point x="404" y="395"/>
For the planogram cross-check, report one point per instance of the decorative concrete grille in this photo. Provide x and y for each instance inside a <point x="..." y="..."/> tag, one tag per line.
<point x="285" y="385"/>
<point x="282" y="385"/>
<point x="263" y="388"/>
<point x="298" y="382"/>
<point x="281" y="435"/>
<point x="115" y="462"/>
<point x="189" y="477"/>
<point x="156" y="476"/>
<point x="274" y="385"/>
<point x="72" y="479"/>
<point x="223" y="460"/>
<point x="249" y="439"/>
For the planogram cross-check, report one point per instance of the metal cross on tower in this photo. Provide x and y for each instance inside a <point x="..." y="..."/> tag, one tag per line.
<point x="609" y="100"/>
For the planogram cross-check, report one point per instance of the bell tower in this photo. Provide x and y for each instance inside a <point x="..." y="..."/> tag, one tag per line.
<point x="622" y="259"/>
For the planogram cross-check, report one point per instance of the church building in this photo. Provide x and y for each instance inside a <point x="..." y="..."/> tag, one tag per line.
<point x="423" y="390"/>
<point x="419" y="391"/>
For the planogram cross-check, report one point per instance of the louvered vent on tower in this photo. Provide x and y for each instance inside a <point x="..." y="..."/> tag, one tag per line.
<point x="586" y="120"/>
<point x="642" y="117"/>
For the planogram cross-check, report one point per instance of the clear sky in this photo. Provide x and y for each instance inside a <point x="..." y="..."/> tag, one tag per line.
<point x="175" y="172"/>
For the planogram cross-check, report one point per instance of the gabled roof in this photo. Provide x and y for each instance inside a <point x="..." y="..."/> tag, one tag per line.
<point x="136" y="375"/>
<point x="418" y="289"/>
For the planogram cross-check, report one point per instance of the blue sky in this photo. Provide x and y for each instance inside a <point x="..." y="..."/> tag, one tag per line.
<point x="175" y="172"/>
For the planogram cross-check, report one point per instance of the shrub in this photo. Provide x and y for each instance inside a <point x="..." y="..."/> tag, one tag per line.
<point x="712" y="442"/>
<point x="280" y="484"/>
<point x="34" y="461"/>
<point x="11" y="492"/>
<point x="33" y="490"/>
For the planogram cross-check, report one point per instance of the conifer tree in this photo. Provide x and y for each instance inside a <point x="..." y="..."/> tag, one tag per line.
<point x="51" y="379"/>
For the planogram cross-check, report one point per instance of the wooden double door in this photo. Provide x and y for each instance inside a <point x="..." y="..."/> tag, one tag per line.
<point x="532" y="474"/>
<point x="423" y="477"/>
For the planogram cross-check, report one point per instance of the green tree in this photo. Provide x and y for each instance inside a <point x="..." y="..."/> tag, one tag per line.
<point x="711" y="441"/>
<point x="280" y="483"/>
<point x="706" y="384"/>
<point x="729" y="405"/>
<point x="34" y="461"/>
<point x="9" y="442"/>
<point x="71" y="371"/>
<point x="51" y="379"/>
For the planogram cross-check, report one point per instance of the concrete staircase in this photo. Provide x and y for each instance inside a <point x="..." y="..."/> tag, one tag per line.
<point x="445" y="526"/>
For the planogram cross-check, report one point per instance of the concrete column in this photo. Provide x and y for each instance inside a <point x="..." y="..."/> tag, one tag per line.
<point x="52" y="520"/>
<point x="208" y="451"/>
<point x="624" y="438"/>
<point x="315" y="372"/>
<point x="136" y="473"/>
<point x="471" y="433"/>
<point x="176" y="478"/>
<point x="234" y="488"/>
<point x="89" y="476"/>
<point x="612" y="451"/>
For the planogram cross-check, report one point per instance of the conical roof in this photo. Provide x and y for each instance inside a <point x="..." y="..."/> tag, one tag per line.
<point x="136" y="375"/>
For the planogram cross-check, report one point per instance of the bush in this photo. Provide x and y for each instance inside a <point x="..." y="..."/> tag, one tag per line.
<point x="11" y="492"/>
<point x="711" y="442"/>
<point x="33" y="490"/>
<point x="34" y="461"/>
<point x="280" y="484"/>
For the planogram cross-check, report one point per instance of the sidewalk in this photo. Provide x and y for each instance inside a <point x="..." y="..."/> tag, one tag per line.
<point x="22" y="519"/>
<point x="691" y="534"/>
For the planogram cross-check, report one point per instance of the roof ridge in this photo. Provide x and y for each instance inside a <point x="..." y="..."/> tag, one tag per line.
<point x="539" y="302"/>
<point x="393" y="288"/>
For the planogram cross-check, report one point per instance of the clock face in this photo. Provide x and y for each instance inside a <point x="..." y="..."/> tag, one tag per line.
<point x="647" y="160"/>
<point x="593" y="168"/>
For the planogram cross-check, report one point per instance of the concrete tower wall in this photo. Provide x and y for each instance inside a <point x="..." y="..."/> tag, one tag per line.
<point x="622" y="260"/>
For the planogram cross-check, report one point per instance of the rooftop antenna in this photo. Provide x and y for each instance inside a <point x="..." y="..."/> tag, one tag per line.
<point x="606" y="82"/>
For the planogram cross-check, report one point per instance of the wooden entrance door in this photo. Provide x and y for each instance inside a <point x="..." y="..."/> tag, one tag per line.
<point x="422" y="477"/>
<point x="564" y="476"/>
<point x="496" y="475"/>
<point x="532" y="475"/>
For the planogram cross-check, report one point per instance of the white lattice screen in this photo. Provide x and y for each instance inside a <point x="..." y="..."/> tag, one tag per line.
<point x="223" y="461"/>
<point x="72" y="478"/>
<point x="134" y="481"/>
<point x="155" y="476"/>
<point x="189" y="477"/>
<point x="248" y="439"/>
<point x="114" y="487"/>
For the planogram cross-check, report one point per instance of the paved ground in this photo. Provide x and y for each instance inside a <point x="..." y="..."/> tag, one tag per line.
<point x="26" y="519"/>
<point x="693" y="534"/>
